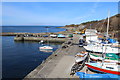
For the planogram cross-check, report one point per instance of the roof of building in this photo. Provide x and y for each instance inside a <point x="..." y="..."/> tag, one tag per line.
<point x="91" y="30"/>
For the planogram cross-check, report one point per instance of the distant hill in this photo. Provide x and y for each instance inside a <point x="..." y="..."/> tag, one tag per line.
<point x="101" y="25"/>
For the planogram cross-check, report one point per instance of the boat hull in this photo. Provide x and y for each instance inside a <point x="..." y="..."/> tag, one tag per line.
<point x="94" y="58"/>
<point x="103" y="70"/>
<point x="97" y="76"/>
<point x="45" y="48"/>
<point x="98" y="49"/>
<point x="79" y="59"/>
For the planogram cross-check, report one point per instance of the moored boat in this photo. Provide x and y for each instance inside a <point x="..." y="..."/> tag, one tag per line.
<point x="46" y="48"/>
<point x="61" y="36"/>
<point x="79" y="57"/>
<point x="53" y="35"/>
<point x="109" y="57"/>
<point x="111" y="68"/>
<point x="97" y="76"/>
<point x="102" y="49"/>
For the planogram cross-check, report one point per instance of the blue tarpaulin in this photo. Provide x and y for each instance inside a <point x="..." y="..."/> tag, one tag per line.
<point x="97" y="76"/>
<point x="112" y="40"/>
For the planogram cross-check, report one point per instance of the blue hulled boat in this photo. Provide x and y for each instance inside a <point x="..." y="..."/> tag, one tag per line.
<point x="84" y="76"/>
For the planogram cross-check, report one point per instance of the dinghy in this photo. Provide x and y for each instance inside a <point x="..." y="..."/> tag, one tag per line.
<point x="61" y="36"/>
<point x="79" y="57"/>
<point x="46" y="48"/>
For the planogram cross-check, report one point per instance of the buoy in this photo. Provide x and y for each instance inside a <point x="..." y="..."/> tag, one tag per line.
<point x="41" y="41"/>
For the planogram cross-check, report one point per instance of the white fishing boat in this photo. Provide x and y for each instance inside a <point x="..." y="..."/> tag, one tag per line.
<point x="79" y="57"/>
<point x="104" y="48"/>
<point x="42" y="48"/>
<point x="111" y="68"/>
<point x="53" y="35"/>
<point x="109" y="57"/>
<point x="45" y="48"/>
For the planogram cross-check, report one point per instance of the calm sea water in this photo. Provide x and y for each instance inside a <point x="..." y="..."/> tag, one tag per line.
<point x="31" y="29"/>
<point x="20" y="58"/>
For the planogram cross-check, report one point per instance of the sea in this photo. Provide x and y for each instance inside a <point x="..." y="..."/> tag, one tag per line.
<point x="21" y="57"/>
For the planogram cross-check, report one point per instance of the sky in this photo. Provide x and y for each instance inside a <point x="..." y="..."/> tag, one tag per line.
<point x="55" y="13"/>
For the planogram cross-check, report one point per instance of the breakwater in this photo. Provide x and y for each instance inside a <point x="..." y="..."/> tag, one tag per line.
<point x="15" y="34"/>
<point x="51" y="40"/>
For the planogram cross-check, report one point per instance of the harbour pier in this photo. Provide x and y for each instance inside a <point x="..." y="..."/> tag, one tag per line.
<point x="51" y="40"/>
<point x="59" y="64"/>
<point x="39" y="36"/>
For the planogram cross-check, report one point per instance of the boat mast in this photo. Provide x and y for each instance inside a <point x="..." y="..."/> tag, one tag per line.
<point x="104" y="46"/>
<point x="108" y="24"/>
<point x="90" y="32"/>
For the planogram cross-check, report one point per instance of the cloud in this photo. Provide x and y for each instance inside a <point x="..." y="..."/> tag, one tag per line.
<point x="85" y="17"/>
<point x="93" y="10"/>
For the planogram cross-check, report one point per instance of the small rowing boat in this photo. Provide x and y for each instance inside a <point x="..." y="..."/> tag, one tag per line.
<point x="46" y="48"/>
<point x="79" y="57"/>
